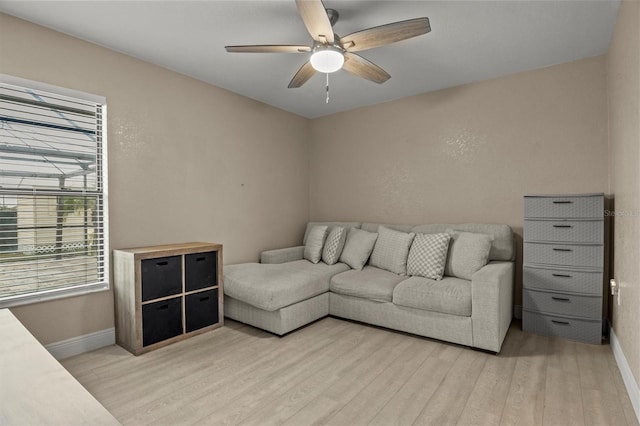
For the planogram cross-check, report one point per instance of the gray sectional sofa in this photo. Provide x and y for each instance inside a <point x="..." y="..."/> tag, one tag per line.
<point x="284" y="291"/>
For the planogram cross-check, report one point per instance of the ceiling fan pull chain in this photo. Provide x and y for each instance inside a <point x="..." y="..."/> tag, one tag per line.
<point x="327" y="100"/>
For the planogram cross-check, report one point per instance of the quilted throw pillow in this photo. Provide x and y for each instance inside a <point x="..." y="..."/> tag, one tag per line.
<point x="315" y="241"/>
<point x="333" y="245"/>
<point x="428" y="255"/>
<point x="391" y="250"/>
<point x="468" y="253"/>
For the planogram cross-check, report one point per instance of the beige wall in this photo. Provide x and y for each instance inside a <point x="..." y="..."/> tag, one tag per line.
<point x="187" y="161"/>
<point x="623" y="75"/>
<point x="466" y="154"/>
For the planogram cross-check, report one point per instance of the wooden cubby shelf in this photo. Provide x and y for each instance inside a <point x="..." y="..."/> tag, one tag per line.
<point x="164" y="294"/>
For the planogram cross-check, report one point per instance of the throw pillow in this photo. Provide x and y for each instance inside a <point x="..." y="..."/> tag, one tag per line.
<point x="334" y="244"/>
<point x="468" y="253"/>
<point x="391" y="250"/>
<point x="357" y="248"/>
<point x="315" y="241"/>
<point x="428" y="255"/>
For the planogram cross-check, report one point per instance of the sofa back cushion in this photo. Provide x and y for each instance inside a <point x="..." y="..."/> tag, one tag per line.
<point x="314" y="244"/>
<point x="502" y="247"/>
<point x="373" y="227"/>
<point x="358" y="247"/>
<point x="468" y="253"/>
<point x="329" y="224"/>
<point x="391" y="250"/>
<point x="428" y="255"/>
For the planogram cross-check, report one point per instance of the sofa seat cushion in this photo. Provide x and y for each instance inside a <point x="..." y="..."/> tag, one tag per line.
<point x="369" y="283"/>
<point x="274" y="286"/>
<point x="448" y="295"/>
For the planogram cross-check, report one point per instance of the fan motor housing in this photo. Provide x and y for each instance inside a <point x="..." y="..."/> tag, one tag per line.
<point x="333" y="16"/>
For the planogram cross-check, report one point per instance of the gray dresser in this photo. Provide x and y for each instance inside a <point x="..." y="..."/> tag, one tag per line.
<point x="563" y="266"/>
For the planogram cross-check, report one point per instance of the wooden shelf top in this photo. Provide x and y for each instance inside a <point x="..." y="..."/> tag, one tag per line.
<point x="171" y="249"/>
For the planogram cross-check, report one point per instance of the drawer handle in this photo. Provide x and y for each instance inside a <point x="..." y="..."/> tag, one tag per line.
<point x="200" y="259"/>
<point x="560" y="322"/>
<point x="563" y="202"/>
<point x="561" y="249"/>
<point x="561" y="275"/>
<point x="562" y="226"/>
<point x="561" y="299"/>
<point x="162" y="263"/>
<point x="163" y="307"/>
<point x="204" y="299"/>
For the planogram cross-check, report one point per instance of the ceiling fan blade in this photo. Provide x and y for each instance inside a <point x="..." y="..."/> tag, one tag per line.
<point x="302" y="76"/>
<point x="315" y="18"/>
<point x="268" y="48"/>
<point x="364" y="68"/>
<point x="385" y="34"/>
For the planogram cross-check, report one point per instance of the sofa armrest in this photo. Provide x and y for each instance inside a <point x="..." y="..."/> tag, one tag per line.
<point x="491" y="304"/>
<point x="284" y="255"/>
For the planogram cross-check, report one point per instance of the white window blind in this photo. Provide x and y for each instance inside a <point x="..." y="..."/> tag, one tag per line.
<point x="52" y="195"/>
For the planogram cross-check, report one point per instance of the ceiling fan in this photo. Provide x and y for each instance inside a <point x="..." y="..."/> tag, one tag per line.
<point x="330" y="52"/>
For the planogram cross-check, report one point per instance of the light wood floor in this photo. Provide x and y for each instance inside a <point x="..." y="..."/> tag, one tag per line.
<point x="343" y="373"/>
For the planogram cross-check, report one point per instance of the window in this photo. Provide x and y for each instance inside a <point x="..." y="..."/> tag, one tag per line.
<point x="53" y="194"/>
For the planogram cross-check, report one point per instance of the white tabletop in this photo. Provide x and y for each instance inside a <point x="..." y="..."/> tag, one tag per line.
<point x="35" y="389"/>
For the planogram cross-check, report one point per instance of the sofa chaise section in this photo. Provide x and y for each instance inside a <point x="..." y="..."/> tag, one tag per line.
<point x="279" y="297"/>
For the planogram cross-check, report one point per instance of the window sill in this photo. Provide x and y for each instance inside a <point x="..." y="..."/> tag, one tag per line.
<point x="62" y="293"/>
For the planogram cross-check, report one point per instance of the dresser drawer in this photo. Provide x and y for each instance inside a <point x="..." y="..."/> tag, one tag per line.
<point x="562" y="280"/>
<point x="564" y="207"/>
<point x="564" y="254"/>
<point x="589" y="331"/>
<point x="562" y="304"/>
<point x="567" y="231"/>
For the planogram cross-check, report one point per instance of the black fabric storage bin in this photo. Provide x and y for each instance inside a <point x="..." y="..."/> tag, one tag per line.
<point x="201" y="270"/>
<point x="201" y="309"/>
<point x="161" y="320"/>
<point x="161" y="277"/>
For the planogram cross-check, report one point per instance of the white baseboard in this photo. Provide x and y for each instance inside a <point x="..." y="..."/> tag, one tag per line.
<point x="627" y="376"/>
<point x="517" y="311"/>
<point x="81" y="344"/>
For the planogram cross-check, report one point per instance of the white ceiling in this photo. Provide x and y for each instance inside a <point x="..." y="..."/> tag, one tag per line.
<point x="469" y="41"/>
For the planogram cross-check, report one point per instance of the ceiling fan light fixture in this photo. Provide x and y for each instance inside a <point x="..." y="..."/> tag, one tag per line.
<point x="327" y="58"/>
<point x="330" y="52"/>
